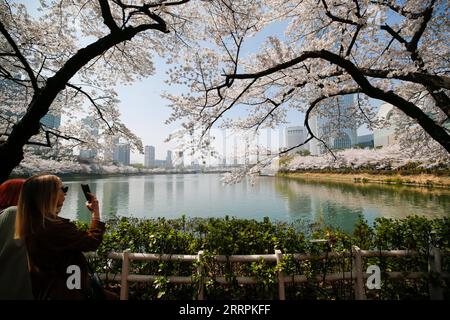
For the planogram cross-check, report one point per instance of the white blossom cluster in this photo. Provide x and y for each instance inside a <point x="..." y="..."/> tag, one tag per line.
<point x="33" y="164"/>
<point x="390" y="157"/>
<point x="398" y="52"/>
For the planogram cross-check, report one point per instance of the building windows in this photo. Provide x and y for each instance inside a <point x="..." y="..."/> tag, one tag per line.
<point x="342" y="142"/>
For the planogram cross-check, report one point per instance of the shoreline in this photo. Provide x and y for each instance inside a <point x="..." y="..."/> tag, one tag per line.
<point x="413" y="180"/>
<point x="106" y="175"/>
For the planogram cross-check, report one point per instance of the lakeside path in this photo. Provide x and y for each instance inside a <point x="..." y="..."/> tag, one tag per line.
<point x="420" y="180"/>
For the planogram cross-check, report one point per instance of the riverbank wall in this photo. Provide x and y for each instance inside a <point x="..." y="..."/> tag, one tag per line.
<point x="419" y="180"/>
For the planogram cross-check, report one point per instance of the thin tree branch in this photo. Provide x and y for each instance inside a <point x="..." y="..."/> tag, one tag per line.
<point x="21" y="58"/>
<point x="99" y="111"/>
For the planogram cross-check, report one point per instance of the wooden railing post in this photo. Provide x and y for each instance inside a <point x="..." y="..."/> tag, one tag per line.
<point x="124" y="277"/>
<point x="359" y="284"/>
<point x="435" y="267"/>
<point x="200" y="275"/>
<point x="280" y="273"/>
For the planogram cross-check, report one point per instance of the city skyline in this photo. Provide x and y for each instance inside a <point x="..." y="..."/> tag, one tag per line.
<point x="142" y="107"/>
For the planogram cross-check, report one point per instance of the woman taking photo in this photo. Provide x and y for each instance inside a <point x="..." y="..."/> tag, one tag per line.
<point x="55" y="243"/>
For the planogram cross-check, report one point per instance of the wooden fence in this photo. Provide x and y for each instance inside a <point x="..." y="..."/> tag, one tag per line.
<point x="357" y="274"/>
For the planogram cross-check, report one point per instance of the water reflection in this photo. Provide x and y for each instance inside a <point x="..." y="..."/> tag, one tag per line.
<point x="169" y="189"/>
<point x="179" y="189"/>
<point x="203" y="195"/>
<point x="340" y="203"/>
<point x="149" y="194"/>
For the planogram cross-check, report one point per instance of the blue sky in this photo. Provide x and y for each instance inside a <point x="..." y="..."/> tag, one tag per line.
<point x="144" y="111"/>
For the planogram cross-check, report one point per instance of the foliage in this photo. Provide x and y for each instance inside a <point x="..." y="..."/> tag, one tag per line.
<point x="66" y="58"/>
<point x="230" y="236"/>
<point x="388" y="160"/>
<point x="312" y="57"/>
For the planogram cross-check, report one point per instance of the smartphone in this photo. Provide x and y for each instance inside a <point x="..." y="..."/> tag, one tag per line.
<point x="86" y="190"/>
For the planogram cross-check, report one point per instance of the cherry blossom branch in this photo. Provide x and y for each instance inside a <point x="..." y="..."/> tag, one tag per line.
<point x="99" y="111"/>
<point x="107" y="16"/>
<point x="416" y="77"/>
<point x="209" y="126"/>
<point x="442" y="100"/>
<point x="20" y="56"/>
<point x="398" y="9"/>
<point x="410" y="109"/>
<point x="336" y="18"/>
<point x="48" y="142"/>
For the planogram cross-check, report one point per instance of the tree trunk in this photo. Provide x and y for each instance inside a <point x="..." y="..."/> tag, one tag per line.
<point x="11" y="151"/>
<point x="9" y="159"/>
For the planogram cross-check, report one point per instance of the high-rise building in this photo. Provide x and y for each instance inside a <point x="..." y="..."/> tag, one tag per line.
<point x="334" y="129"/>
<point x="87" y="154"/>
<point x="235" y="161"/>
<point x="92" y="126"/>
<point x="51" y="120"/>
<point x="269" y="142"/>
<point x="149" y="157"/>
<point x="293" y="136"/>
<point x="386" y="135"/>
<point x="121" y="153"/>
<point x="179" y="159"/>
<point x="247" y="152"/>
<point x="169" y="164"/>
<point x="365" y="141"/>
<point x="224" y="159"/>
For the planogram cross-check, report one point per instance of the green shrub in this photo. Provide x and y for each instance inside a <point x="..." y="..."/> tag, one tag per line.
<point x="230" y="236"/>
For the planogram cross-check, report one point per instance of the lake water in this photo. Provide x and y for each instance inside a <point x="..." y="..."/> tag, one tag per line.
<point x="282" y="199"/>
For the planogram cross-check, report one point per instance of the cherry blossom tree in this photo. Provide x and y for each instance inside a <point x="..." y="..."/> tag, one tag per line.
<point x="67" y="58"/>
<point x="392" y="51"/>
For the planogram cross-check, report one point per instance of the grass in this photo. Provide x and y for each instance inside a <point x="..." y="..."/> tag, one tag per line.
<point x="429" y="180"/>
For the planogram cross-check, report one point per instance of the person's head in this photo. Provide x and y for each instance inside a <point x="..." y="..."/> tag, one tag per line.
<point x="9" y="192"/>
<point x="41" y="199"/>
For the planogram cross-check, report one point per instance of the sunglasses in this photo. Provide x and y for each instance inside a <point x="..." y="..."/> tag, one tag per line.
<point x="64" y="189"/>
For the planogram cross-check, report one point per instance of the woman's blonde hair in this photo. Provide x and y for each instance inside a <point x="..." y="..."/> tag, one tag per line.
<point x="37" y="202"/>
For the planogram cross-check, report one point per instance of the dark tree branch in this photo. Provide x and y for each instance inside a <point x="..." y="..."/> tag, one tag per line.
<point x="412" y="45"/>
<point x="364" y="114"/>
<point x="20" y="56"/>
<point x="296" y="146"/>
<point x="312" y="135"/>
<point x="358" y="10"/>
<point x="48" y="142"/>
<point x="398" y="9"/>
<point x="99" y="110"/>
<point x="416" y="77"/>
<point x="394" y="34"/>
<point x="336" y="18"/>
<point x="442" y="100"/>
<point x="355" y="35"/>
<point x="107" y="16"/>
<point x="158" y="5"/>
<point x="410" y="109"/>
<point x="209" y="126"/>
<point x="11" y="150"/>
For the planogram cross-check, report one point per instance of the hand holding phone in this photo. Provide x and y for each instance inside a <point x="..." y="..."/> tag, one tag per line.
<point x="86" y="191"/>
<point x="92" y="204"/>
